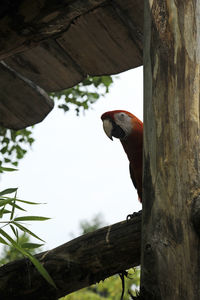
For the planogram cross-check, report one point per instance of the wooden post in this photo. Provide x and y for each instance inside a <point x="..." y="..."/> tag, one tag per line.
<point x="170" y="245"/>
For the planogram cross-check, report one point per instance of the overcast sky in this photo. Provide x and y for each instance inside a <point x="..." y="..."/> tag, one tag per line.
<point x="76" y="169"/>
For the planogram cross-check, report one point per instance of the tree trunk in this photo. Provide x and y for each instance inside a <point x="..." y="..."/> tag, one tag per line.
<point x="76" y="264"/>
<point x="170" y="245"/>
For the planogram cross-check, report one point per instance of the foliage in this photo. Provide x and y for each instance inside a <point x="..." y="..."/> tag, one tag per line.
<point x="84" y="94"/>
<point x="89" y="226"/>
<point x="10" y="253"/>
<point x="14" y="144"/>
<point x="110" y="288"/>
<point x="9" y="203"/>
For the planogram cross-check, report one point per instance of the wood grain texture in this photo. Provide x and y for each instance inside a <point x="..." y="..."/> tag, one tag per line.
<point x="76" y="264"/>
<point x="106" y="40"/>
<point x="170" y="246"/>
<point x="48" y="65"/>
<point x="56" y="44"/>
<point x="25" y="24"/>
<point x="100" y="42"/>
<point x="23" y="103"/>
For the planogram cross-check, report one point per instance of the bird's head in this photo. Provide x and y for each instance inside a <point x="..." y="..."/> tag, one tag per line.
<point x="119" y="123"/>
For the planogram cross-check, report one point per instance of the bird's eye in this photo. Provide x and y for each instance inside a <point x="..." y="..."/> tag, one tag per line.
<point x="121" y="116"/>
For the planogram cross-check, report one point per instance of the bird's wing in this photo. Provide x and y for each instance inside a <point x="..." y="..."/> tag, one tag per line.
<point x="136" y="179"/>
<point x="133" y="176"/>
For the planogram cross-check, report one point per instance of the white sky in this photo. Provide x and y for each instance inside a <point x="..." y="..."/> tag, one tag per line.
<point x="76" y="169"/>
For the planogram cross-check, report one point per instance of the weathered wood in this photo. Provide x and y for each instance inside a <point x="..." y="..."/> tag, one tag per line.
<point x="56" y="44"/>
<point x="108" y="47"/>
<point x="22" y="102"/>
<point x="132" y="15"/>
<point x="24" y="24"/>
<point x="76" y="264"/>
<point x="48" y="65"/>
<point x="106" y="40"/>
<point x="170" y="246"/>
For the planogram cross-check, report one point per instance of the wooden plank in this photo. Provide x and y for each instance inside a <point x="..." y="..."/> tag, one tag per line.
<point x="132" y="15"/>
<point x="24" y="24"/>
<point x="48" y="65"/>
<point x="22" y="102"/>
<point x="100" y="43"/>
<point x="104" y="41"/>
<point x="134" y="10"/>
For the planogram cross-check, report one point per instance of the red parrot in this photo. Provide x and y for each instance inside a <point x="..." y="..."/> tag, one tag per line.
<point x="128" y="128"/>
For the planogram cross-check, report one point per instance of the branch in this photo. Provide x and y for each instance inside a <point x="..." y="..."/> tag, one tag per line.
<point x="76" y="264"/>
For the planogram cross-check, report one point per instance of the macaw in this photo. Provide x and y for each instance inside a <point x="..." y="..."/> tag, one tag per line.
<point x="128" y="128"/>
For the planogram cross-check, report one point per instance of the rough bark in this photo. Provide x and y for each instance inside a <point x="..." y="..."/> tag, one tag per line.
<point x="170" y="246"/>
<point x="76" y="264"/>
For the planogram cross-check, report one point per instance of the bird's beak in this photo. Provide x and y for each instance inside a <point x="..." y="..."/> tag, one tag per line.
<point x="108" y="127"/>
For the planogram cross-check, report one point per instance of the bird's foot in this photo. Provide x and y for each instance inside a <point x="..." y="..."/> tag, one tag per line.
<point x="134" y="214"/>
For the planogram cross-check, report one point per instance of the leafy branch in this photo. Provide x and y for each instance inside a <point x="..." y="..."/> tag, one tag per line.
<point x="14" y="145"/>
<point x="84" y="94"/>
<point x="8" y="205"/>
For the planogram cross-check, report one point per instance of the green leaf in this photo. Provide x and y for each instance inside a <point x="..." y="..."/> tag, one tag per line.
<point x="3" y="169"/>
<point x="31" y="218"/>
<point x="86" y="81"/>
<point x="16" y="206"/>
<point x="31" y="245"/>
<point x="4" y="149"/>
<point x="24" y="229"/>
<point x="7" y="160"/>
<point x="36" y="263"/>
<point x="5" y="140"/>
<point x="8" y="191"/>
<point x="31" y="140"/>
<point x="2" y="241"/>
<point x="64" y="107"/>
<point x="14" y="230"/>
<point x="4" y="211"/>
<point x="41" y="269"/>
<point x="13" y="210"/>
<point x="29" y="202"/>
<point x="5" y="201"/>
<point x="106" y="80"/>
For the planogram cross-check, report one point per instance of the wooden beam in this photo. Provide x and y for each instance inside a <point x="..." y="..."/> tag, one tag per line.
<point x="170" y="246"/>
<point x="79" y="263"/>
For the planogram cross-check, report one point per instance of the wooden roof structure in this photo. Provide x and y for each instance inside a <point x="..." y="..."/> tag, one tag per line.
<point x="49" y="46"/>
